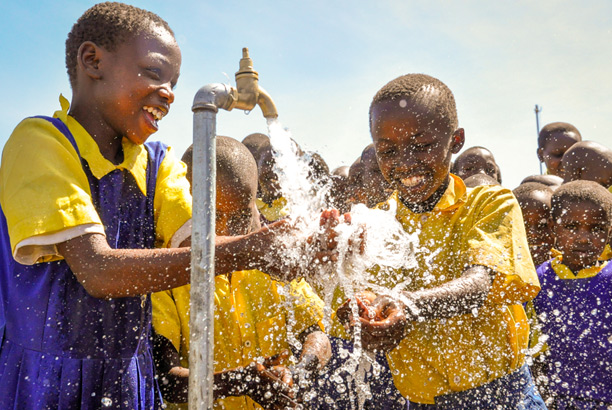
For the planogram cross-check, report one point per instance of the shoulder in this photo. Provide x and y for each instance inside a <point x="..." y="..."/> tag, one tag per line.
<point x="36" y="134"/>
<point x="491" y="199"/>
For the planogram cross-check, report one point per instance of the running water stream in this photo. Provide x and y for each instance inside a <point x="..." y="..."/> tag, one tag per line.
<point x="383" y="237"/>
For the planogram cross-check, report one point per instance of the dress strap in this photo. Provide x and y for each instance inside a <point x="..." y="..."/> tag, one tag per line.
<point x="59" y="124"/>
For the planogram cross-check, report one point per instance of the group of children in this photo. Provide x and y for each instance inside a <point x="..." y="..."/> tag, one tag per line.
<point x="95" y="234"/>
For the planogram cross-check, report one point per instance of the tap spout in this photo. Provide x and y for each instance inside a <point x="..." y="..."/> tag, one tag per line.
<point x="268" y="109"/>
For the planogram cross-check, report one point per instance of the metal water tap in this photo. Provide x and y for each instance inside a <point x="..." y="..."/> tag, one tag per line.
<point x="249" y="92"/>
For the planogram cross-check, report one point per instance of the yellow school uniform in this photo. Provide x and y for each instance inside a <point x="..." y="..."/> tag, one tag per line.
<point x="253" y="315"/>
<point x="51" y="203"/>
<point x="480" y="226"/>
<point x="277" y="210"/>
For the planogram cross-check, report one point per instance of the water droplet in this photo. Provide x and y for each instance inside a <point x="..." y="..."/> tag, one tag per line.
<point x="106" y="402"/>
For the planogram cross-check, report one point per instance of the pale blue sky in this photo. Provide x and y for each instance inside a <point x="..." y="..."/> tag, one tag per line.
<point x="322" y="61"/>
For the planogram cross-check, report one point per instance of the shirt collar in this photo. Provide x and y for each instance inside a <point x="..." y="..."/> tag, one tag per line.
<point x="134" y="156"/>
<point x="563" y="272"/>
<point x="453" y="197"/>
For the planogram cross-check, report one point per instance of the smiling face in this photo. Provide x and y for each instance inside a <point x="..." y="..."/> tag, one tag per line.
<point x="581" y="232"/>
<point x="135" y="85"/>
<point x="413" y="147"/>
<point x="555" y="145"/>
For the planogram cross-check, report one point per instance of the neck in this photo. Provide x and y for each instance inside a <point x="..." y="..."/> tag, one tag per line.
<point x="430" y="203"/>
<point x="106" y="138"/>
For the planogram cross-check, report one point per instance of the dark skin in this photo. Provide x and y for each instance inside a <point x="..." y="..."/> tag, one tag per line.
<point x="476" y="161"/>
<point x="237" y="215"/>
<point x="125" y="93"/>
<point x="555" y="145"/>
<point x="538" y="225"/>
<point x="581" y="233"/>
<point x="414" y="149"/>
<point x="588" y="161"/>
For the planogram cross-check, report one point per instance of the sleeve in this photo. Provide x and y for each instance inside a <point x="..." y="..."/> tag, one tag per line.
<point x="307" y="306"/>
<point x="44" y="189"/>
<point x="172" y="201"/>
<point x="496" y="239"/>
<point x="166" y="317"/>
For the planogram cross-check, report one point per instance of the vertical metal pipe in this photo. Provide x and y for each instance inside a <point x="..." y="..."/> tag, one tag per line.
<point x="201" y="320"/>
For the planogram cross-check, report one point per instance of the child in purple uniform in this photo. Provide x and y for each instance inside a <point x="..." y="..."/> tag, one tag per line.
<point x="573" y="308"/>
<point x="87" y="208"/>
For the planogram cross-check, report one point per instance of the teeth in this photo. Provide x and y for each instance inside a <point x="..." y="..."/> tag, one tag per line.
<point x="412" y="181"/>
<point x="156" y="113"/>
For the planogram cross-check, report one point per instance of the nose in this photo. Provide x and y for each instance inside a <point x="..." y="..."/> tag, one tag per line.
<point x="166" y="92"/>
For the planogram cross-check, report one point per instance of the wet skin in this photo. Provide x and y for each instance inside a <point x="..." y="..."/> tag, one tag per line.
<point x="554" y="147"/>
<point x="117" y="88"/>
<point x="538" y="225"/>
<point x="414" y="148"/>
<point x="587" y="164"/>
<point x="375" y="187"/>
<point x="476" y="161"/>
<point x="581" y="233"/>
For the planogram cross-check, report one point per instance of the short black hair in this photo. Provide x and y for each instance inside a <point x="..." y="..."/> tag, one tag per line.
<point x="549" y="180"/>
<point x="414" y="85"/>
<point x="480" y="180"/>
<point x="108" y="25"/>
<point x="465" y="153"/>
<point x="548" y="129"/>
<point x="582" y="191"/>
<point x="255" y="142"/>
<point x="523" y="192"/>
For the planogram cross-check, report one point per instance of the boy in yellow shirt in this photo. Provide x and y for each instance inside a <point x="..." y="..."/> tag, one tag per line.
<point x="255" y="316"/>
<point x="455" y="331"/>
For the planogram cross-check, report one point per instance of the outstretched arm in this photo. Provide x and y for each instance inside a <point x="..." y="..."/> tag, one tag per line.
<point x="112" y="273"/>
<point x="457" y="297"/>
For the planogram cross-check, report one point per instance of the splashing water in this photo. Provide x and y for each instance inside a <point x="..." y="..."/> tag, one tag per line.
<point x="383" y="238"/>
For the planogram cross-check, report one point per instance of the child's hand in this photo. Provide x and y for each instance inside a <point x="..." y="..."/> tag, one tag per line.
<point x="364" y="301"/>
<point x="382" y="318"/>
<point x="388" y="327"/>
<point x="270" y="384"/>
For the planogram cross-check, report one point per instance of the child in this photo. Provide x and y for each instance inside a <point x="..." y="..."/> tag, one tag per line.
<point x="460" y="344"/>
<point x="588" y="160"/>
<point x="554" y="139"/>
<point x="84" y="203"/>
<point x="534" y="200"/>
<point x="551" y="181"/>
<point x="480" y="180"/>
<point x="476" y="160"/>
<point x="271" y="204"/>
<point x="251" y="314"/>
<point x="375" y="187"/>
<point x="574" y="306"/>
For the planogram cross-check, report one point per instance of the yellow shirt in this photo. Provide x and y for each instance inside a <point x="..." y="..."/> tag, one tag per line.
<point x="273" y="212"/>
<point x="252" y="317"/>
<point x="480" y="226"/>
<point x="45" y="189"/>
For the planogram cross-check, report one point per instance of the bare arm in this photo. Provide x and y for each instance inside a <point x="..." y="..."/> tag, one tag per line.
<point x="456" y="297"/>
<point x="105" y="272"/>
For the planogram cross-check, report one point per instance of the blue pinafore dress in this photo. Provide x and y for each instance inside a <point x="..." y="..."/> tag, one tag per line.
<point x="64" y="349"/>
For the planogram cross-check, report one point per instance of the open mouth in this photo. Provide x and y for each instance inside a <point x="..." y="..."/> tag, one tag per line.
<point x="414" y="183"/>
<point x="153" y="114"/>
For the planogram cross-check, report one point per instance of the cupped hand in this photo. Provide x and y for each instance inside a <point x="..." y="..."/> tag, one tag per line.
<point x="270" y="384"/>
<point x="388" y="327"/>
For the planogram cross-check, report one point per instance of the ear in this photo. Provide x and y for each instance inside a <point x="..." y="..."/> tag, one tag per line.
<point x="88" y="59"/>
<point x="540" y="154"/>
<point x="457" y="140"/>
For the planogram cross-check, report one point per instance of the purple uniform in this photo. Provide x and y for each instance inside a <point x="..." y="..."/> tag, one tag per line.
<point x="576" y="315"/>
<point x="64" y="349"/>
